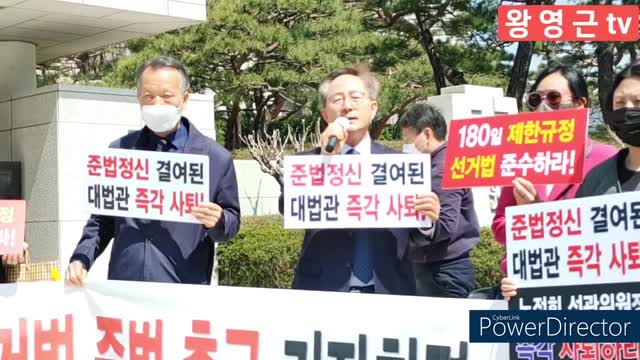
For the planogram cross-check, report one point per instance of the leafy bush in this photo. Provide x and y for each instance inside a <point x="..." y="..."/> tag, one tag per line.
<point x="486" y="257"/>
<point x="264" y="254"/>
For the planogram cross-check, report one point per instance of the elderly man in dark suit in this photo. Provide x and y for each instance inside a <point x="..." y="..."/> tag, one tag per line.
<point x="356" y="260"/>
<point x="164" y="251"/>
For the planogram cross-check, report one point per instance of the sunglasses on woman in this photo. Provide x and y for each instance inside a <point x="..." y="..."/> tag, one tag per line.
<point x="553" y="98"/>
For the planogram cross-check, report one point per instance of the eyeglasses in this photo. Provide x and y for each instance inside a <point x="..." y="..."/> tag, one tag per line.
<point x="355" y="98"/>
<point x="553" y="98"/>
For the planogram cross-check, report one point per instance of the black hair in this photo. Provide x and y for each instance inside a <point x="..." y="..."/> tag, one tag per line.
<point x="632" y="70"/>
<point x="577" y="83"/>
<point x="422" y="116"/>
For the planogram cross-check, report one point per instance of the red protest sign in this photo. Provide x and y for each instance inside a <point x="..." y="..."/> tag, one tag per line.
<point x="543" y="147"/>
<point x="568" y="23"/>
<point x="12" y="219"/>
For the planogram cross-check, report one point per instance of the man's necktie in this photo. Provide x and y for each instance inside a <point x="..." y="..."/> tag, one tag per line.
<point x="362" y="250"/>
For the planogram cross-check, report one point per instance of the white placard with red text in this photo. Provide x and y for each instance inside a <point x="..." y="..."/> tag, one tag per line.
<point x="593" y="240"/>
<point x="117" y="319"/>
<point x="355" y="191"/>
<point x="146" y="184"/>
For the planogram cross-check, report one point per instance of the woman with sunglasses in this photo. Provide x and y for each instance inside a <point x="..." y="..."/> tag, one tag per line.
<point x="557" y="87"/>
<point x="620" y="173"/>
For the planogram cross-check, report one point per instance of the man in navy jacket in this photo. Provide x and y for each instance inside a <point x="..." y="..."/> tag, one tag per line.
<point x="164" y="251"/>
<point x="355" y="260"/>
<point x="441" y="260"/>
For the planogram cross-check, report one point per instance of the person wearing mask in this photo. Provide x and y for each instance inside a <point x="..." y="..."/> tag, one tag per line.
<point x="441" y="262"/>
<point x="620" y="173"/>
<point x="557" y="87"/>
<point x="165" y="251"/>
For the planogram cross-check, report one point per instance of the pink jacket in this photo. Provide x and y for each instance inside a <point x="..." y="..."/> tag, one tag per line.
<point x="596" y="154"/>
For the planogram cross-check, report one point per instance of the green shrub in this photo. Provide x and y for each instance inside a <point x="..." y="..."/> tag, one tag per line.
<point x="486" y="257"/>
<point x="264" y="254"/>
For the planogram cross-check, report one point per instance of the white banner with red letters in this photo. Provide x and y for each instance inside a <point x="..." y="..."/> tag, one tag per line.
<point x="146" y="184"/>
<point x="593" y="240"/>
<point x="355" y="191"/>
<point x="130" y="320"/>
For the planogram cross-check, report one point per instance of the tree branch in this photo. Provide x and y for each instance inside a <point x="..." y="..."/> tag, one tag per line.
<point x="378" y="125"/>
<point x="268" y="150"/>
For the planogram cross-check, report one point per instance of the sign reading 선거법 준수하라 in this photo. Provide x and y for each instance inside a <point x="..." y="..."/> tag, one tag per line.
<point x="544" y="147"/>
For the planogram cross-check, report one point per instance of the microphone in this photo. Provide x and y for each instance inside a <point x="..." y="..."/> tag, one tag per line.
<point x="333" y="140"/>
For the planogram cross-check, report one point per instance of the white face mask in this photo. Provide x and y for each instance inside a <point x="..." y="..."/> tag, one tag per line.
<point x="160" y="118"/>
<point x="409" y="149"/>
<point x="544" y="107"/>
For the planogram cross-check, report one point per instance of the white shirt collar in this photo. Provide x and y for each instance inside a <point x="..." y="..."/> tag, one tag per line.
<point x="364" y="147"/>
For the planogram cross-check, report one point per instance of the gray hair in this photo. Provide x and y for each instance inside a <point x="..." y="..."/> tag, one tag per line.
<point x="361" y="71"/>
<point x="160" y="62"/>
